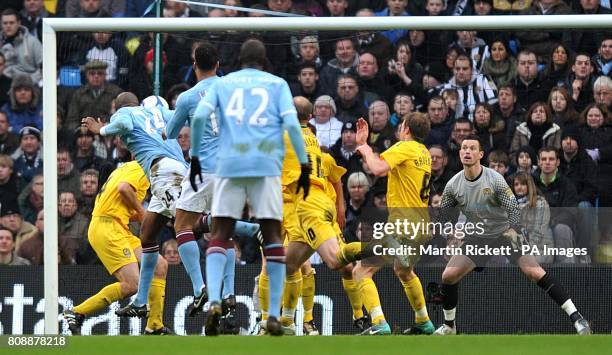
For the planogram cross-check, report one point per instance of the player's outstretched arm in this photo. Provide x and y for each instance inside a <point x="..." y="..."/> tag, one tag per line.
<point x="119" y="125"/>
<point x="129" y="197"/>
<point x="178" y="120"/>
<point x="340" y="205"/>
<point x="198" y="122"/>
<point x="377" y="166"/>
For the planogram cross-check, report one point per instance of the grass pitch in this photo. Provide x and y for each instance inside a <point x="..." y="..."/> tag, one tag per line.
<point x="335" y="345"/>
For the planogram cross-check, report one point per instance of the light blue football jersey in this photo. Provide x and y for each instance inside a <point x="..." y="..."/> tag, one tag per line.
<point x="186" y="105"/>
<point x="253" y="105"/>
<point x="141" y="130"/>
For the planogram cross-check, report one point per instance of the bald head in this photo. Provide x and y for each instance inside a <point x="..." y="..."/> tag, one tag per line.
<point x="253" y="54"/>
<point x="303" y="107"/>
<point x="126" y="99"/>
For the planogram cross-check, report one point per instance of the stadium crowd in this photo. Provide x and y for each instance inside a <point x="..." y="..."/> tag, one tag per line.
<point x="519" y="91"/>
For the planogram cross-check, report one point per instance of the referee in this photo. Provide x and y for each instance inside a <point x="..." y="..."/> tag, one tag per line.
<point x="485" y="198"/>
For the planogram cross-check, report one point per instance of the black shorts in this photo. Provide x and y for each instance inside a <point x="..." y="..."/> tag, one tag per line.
<point x="481" y="250"/>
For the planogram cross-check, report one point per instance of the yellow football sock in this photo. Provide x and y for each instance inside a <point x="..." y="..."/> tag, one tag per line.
<point x="349" y="252"/>
<point x="100" y="300"/>
<point x="264" y="294"/>
<point x="291" y="292"/>
<point x="308" y="293"/>
<point x="157" y="294"/>
<point x="352" y="291"/>
<point x="369" y="292"/>
<point x="414" y="292"/>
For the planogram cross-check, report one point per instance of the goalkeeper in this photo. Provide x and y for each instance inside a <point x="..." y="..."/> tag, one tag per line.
<point x="485" y="198"/>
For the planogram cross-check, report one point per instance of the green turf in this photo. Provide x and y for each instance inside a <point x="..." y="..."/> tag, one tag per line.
<point x="335" y="345"/>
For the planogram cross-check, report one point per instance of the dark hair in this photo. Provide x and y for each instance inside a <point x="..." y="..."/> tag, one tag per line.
<point x="498" y="156"/>
<point x="439" y="146"/>
<point x="9" y="12"/>
<point x="548" y="149"/>
<point x="463" y="120"/>
<point x="463" y="56"/>
<point x="2" y="228"/>
<point x="474" y="137"/>
<point x="546" y="111"/>
<point x="206" y="56"/>
<point x="507" y="86"/>
<point x="308" y="65"/>
<point x="253" y="53"/>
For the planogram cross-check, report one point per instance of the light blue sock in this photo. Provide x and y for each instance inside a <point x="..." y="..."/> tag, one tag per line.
<point x="147" y="267"/>
<point x="228" y="275"/>
<point x="245" y="229"/>
<point x="215" y="265"/>
<point x="276" y="275"/>
<point x="190" y="256"/>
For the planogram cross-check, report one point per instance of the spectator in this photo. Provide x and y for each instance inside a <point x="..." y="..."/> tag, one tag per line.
<point x="562" y="108"/>
<point x="373" y="41"/>
<point x="336" y="8"/>
<point x="5" y="82"/>
<point x="8" y="182"/>
<point x="500" y="65"/>
<point x="352" y="103"/>
<point x="561" y="195"/>
<point x="28" y="158"/>
<point x="346" y="61"/>
<point x="535" y="215"/>
<point x="602" y="91"/>
<point x="426" y="47"/>
<point x="587" y="41"/>
<point x="344" y="151"/>
<point x="472" y="88"/>
<point x="440" y="175"/>
<point x="382" y="134"/>
<point x="89" y="189"/>
<point x="580" y="81"/>
<point x="461" y="128"/>
<point x="308" y="53"/>
<point x="7" y="249"/>
<point x="31" y="199"/>
<point x="174" y="92"/>
<point x="9" y="141"/>
<point x="490" y="130"/>
<point x="498" y="160"/>
<point x="596" y="139"/>
<point x="508" y="111"/>
<point x="603" y="59"/>
<point x="539" y="130"/>
<point x="85" y="155"/>
<point x="542" y="41"/>
<point x="170" y="252"/>
<point x="34" y="251"/>
<point x="92" y="8"/>
<point x="369" y="78"/>
<point x="395" y="8"/>
<point x="475" y="48"/>
<point x="558" y="67"/>
<point x="576" y="164"/>
<point x="403" y="104"/>
<point x="24" y="108"/>
<point x="68" y="177"/>
<point x="328" y="127"/>
<point x="529" y="87"/>
<point x="441" y="122"/>
<point x="183" y="140"/>
<point x="22" y="51"/>
<point x="307" y="82"/>
<point x="358" y="187"/>
<point x="94" y="98"/>
<point x="32" y="15"/>
<point x="109" y="48"/>
<point x="526" y="160"/>
<point x="71" y="224"/>
<point x="405" y="73"/>
<point x="11" y="218"/>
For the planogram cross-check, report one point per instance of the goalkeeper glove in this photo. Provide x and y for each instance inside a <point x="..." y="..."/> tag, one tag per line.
<point x="517" y="240"/>
<point x="304" y="180"/>
<point x="196" y="170"/>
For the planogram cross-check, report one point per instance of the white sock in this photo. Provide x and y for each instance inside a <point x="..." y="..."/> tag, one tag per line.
<point x="569" y="307"/>
<point x="422" y="313"/>
<point x="449" y="314"/>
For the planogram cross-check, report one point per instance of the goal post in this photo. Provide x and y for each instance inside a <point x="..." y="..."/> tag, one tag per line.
<point x="53" y="25"/>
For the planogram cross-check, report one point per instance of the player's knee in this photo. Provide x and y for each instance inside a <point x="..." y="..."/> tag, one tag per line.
<point x="129" y="287"/>
<point x="403" y="273"/>
<point x="333" y="264"/>
<point x="292" y="268"/>
<point x="347" y="272"/>
<point x="450" y="276"/>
